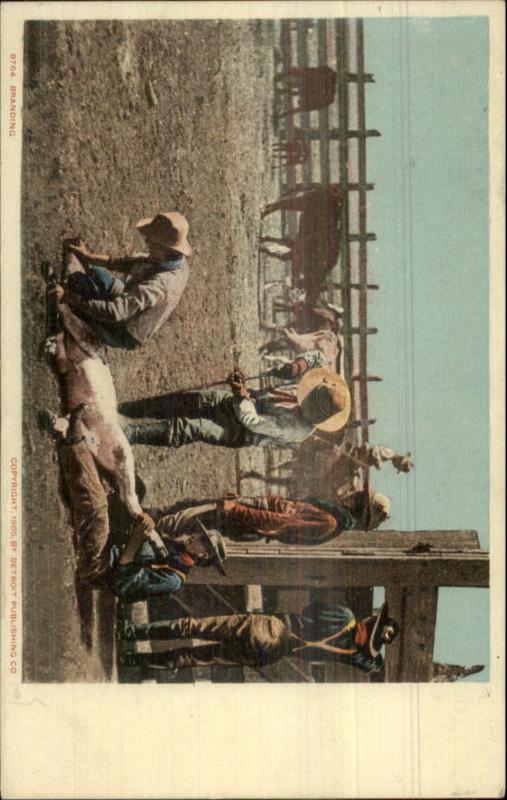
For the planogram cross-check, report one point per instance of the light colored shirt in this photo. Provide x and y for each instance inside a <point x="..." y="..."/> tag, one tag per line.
<point x="274" y="422"/>
<point x="145" y="299"/>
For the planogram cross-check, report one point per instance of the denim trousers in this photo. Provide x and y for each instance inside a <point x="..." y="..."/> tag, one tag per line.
<point x="206" y="415"/>
<point x="95" y="284"/>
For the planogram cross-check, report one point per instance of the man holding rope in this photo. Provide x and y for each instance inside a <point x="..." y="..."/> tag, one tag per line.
<point x="239" y="417"/>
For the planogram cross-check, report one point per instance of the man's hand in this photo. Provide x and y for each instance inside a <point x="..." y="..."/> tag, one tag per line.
<point x="58" y="292"/>
<point x="236" y="381"/>
<point x="81" y="251"/>
<point x="145" y="522"/>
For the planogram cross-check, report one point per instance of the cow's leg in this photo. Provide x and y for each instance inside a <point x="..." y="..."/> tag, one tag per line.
<point x="125" y="473"/>
<point x="275" y="254"/>
<point x="288" y="112"/>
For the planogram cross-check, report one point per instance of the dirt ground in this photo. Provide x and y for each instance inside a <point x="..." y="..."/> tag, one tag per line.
<point x="122" y="120"/>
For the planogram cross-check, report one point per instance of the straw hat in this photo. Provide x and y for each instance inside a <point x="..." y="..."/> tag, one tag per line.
<point x="169" y="230"/>
<point x="324" y="399"/>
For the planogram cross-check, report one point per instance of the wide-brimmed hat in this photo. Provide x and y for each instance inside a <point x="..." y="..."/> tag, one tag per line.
<point x="216" y="544"/>
<point x="374" y="625"/>
<point x="373" y="498"/>
<point x="169" y="229"/>
<point x="324" y="399"/>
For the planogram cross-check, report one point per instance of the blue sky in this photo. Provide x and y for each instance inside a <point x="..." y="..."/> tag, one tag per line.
<point x="430" y="212"/>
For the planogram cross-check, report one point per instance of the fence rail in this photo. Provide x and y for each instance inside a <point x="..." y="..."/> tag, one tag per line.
<point x="335" y="138"/>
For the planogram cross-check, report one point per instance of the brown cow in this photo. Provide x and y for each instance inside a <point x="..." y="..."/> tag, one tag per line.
<point x="315" y="249"/>
<point x="315" y="88"/>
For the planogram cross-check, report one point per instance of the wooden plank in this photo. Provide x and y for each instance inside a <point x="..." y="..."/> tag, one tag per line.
<point x="343" y="150"/>
<point x="360" y="600"/>
<point x="410" y="657"/>
<point x="253" y="597"/>
<point x="386" y="540"/>
<point x="456" y="540"/>
<point x="325" y="168"/>
<point x="290" y="600"/>
<point x="304" y="116"/>
<point x="363" y="254"/>
<point x="319" y="567"/>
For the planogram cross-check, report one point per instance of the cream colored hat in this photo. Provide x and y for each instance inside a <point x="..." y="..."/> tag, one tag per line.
<point x="169" y="229"/>
<point x="375" y="500"/>
<point x="324" y="399"/>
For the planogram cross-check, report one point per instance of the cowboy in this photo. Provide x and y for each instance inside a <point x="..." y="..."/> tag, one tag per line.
<point x="127" y="311"/>
<point x="240" y="417"/>
<point x="321" y="633"/>
<point x="310" y="521"/>
<point x="147" y="565"/>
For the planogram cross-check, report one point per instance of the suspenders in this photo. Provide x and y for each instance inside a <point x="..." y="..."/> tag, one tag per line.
<point x="324" y="643"/>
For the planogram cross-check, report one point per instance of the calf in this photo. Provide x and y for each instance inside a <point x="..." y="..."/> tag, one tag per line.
<point x="315" y="249"/>
<point x="88" y="380"/>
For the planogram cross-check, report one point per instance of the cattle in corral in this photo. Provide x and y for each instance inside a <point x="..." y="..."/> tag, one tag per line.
<point x="314" y="87"/>
<point x="327" y="338"/>
<point x="326" y="341"/>
<point x="88" y="380"/>
<point x="292" y="152"/>
<point x="316" y="247"/>
<point x="377" y="455"/>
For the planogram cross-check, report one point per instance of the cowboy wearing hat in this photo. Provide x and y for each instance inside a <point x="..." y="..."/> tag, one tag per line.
<point x="309" y="521"/>
<point x="364" y="510"/>
<point x="320" y="633"/>
<point x="149" y="563"/>
<point x="317" y="399"/>
<point x="127" y="311"/>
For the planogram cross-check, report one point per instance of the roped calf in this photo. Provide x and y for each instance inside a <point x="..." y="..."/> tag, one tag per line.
<point x="89" y="381"/>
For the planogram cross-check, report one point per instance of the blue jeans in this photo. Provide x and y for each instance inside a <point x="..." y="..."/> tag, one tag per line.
<point x="96" y="284"/>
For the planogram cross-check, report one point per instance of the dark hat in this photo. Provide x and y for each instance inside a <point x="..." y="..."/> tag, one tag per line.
<point x="216" y="544"/>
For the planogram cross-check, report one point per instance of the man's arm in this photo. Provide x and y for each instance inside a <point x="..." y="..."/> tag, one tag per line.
<point x="311" y="359"/>
<point x="125" y="306"/>
<point x="118" y="263"/>
<point x="144" y="583"/>
<point x="246" y="413"/>
<point x="141" y="531"/>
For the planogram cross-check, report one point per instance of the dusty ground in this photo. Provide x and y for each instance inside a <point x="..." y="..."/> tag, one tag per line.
<point x="122" y="120"/>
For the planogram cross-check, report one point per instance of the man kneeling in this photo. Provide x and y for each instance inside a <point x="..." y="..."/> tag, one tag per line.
<point x="139" y="569"/>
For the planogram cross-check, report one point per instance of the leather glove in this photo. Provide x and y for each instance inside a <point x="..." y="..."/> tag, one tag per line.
<point x="81" y="251"/>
